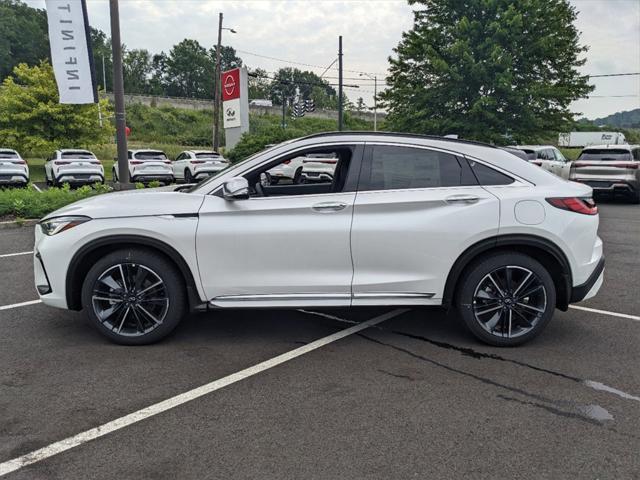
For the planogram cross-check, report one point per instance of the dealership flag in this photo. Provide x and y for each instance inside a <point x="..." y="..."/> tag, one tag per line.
<point x="71" y="50"/>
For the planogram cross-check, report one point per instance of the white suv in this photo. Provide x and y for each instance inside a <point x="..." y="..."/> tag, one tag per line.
<point x="13" y="169"/>
<point x="407" y="220"/>
<point x="146" y="166"/>
<point x="548" y="157"/>
<point x="73" y="166"/>
<point x="194" y="165"/>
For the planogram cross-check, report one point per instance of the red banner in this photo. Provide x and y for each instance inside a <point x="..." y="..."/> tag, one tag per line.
<point x="230" y="84"/>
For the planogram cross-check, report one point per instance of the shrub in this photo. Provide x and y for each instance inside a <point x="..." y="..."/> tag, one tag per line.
<point x="30" y="203"/>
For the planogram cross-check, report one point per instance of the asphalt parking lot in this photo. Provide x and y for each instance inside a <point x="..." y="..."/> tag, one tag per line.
<point x="413" y="396"/>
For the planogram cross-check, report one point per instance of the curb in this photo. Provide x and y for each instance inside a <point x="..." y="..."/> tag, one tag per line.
<point x="15" y="224"/>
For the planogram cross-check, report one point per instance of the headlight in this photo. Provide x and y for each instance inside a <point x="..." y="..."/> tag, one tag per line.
<point x="56" y="225"/>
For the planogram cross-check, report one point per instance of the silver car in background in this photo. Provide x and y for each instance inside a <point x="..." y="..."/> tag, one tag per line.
<point x="14" y="171"/>
<point x="612" y="169"/>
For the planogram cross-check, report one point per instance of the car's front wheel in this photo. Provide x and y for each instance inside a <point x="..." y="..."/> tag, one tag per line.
<point x="506" y="299"/>
<point x="134" y="296"/>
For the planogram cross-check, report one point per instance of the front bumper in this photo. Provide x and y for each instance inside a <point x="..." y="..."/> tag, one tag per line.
<point x="589" y="288"/>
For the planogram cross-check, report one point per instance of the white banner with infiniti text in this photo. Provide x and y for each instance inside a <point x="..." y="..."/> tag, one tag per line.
<point x="71" y="50"/>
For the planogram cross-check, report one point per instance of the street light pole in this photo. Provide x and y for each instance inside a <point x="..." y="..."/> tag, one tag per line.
<point x="118" y="96"/>
<point x="218" y="91"/>
<point x="340" y="106"/>
<point x="375" y="99"/>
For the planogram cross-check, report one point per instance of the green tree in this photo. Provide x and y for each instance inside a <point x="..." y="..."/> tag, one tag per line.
<point x="101" y="46"/>
<point x="286" y="80"/>
<point x="137" y="68"/>
<point x="33" y="121"/>
<point x="259" y="84"/>
<point x="486" y="69"/>
<point x="23" y="35"/>
<point x="189" y="71"/>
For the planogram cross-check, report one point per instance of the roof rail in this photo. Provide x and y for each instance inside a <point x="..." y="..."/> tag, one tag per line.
<point x="399" y="134"/>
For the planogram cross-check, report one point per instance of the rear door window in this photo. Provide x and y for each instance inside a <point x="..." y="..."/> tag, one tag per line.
<point x="396" y="167"/>
<point x="605" y="154"/>
<point x="77" y="155"/>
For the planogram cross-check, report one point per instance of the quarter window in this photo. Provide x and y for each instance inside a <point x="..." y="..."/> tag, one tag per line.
<point x="393" y="168"/>
<point x="488" y="176"/>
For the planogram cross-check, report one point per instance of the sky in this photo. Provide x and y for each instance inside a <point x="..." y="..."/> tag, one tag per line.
<point x="307" y="32"/>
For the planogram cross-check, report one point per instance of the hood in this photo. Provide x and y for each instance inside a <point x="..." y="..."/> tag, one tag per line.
<point x="134" y="203"/>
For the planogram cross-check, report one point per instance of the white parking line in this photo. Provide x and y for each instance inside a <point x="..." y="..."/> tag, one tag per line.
<point x="606" y="312"/>
<point x="21" y="304"/>
<point x="15" y="254"/>
<point x="122" y="422"/>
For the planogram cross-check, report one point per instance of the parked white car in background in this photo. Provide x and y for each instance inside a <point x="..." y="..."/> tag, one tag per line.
<point x="194" y="165"/>
<point x="146" y="166"/>
<point x="14" y="171"/>
<point x="548" y="157"/>
<point x="317" y="167"/>
<point x="290" y="170"/>
<point x="407" y="220"/>
<point x="73" y="166"/>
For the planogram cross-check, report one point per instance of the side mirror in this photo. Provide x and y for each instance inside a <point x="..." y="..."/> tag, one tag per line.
<point x="236" y="189"/>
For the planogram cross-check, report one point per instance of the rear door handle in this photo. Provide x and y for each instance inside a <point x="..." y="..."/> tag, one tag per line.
<point x="464" y="199"/>
<point x="329" y="206"/>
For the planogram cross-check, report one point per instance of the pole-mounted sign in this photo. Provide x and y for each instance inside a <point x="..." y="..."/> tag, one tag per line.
<point x="235" y="104"/>
<point x="71" y="50"/>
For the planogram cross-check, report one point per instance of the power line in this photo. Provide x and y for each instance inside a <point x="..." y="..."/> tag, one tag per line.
<point x="613" y="75"/>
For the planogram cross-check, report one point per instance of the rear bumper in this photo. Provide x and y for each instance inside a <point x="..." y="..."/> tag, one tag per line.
<point x="13" y="178"/>
<point x="152" y="177"/>
<point x="605" y="185"/>
<point x="80" y="178"/>
<point x="589" y="288"/>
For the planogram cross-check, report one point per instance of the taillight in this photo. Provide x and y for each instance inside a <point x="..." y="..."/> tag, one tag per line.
<point x="536" y="162"/>
<point x="19" y="162"/>
<point x="197" y="162"/>
<point x="59" y="162"/>
<point x="168" y="162"/>
<point x="135" y="162"/>
<point x="631" y="165"/>
<point x="585" y="206"/>
<point x="287" y="162"/>
<point x="95" y="162"/>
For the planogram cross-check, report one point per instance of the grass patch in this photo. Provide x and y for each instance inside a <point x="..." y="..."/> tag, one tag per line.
<point x="29" y="203"/>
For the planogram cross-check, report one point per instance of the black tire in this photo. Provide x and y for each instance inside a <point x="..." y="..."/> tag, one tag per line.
<point x="114" y="175"/>
<point x="479" y="300"/>
<point x="635" y="199"/>
<point x="297" y="177"/>
<point x="188" y="177"/>
<point x="144" y="325"/>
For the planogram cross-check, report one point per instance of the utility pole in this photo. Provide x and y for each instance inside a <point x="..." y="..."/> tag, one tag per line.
<point x="104" y="76"/>
<point x="218" y="91"/>
<point x="284" y="109"/>
<point x="118" y="95"/>
<point x="375" y="100"/>
<point x="340" y="83"/>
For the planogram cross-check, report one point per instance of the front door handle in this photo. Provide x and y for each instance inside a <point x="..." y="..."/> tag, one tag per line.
<point x="329" y="206"/>
<point x="465" y="199"/>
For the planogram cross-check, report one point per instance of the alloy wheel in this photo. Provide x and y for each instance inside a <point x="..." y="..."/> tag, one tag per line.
<point x="130" y="299"/>
<point x="509" y="301"/>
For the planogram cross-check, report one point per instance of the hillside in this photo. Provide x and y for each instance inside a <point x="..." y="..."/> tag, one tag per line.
<point x="627" y="119"/>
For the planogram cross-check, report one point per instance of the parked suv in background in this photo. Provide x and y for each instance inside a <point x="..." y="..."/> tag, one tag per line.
<point x="406" y="220"/>
<point x="13" y="169"/>
<point x="73" y="166"/>
<point x="146" y="166"/>
<point x="194" y="165"/>
<point x="548" y="157"/>
<point x="612" y="169"/>
<point x="318" y="168"/>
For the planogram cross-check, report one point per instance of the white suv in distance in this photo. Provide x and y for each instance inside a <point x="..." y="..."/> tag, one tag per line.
<point x="146" y="166"/>
<point x="407" y="220"/>
<point x="548" y="157"/>
<point x="610" y="169"/>
<point x="14" y="171"/>
<point x="194" y="165"/>
<point x="318" y="167"/>
<point x="73" y="166"/>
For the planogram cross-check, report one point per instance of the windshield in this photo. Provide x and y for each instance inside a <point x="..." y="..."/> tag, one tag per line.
<point x="77" y="155"/>
<point x="605" y="154"/>
<point x="8" y="154"/>
<point x="203" y="182"/>
<point x="150" y="156"/>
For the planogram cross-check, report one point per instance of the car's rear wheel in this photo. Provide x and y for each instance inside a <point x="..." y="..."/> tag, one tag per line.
<point x="114" y="175"/>
<point x="134" y="296"/>
<point x="188" y="177"/>
<point x="506" y="299"/>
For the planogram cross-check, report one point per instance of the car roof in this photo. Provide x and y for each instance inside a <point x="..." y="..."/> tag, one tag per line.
<point x="8" y="150"/>
<point x="146" y="150"/>
<point x="204" y="151"/>
<point x="621" y="146"/>
<point x="67" y="150"/>
<point x="533" y="147"/>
